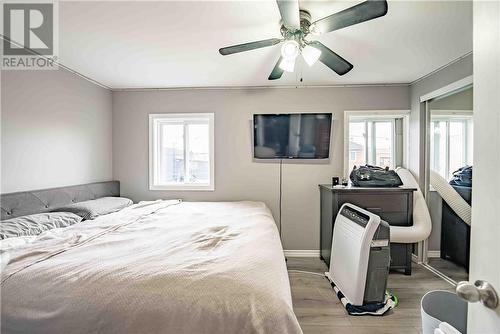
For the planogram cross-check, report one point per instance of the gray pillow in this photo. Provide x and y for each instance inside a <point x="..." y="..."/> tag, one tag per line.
<point x="35" y="224"/>
<point x="96" y="207"/>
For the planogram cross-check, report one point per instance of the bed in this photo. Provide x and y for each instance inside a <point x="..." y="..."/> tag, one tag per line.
<point x="153" y="267"/>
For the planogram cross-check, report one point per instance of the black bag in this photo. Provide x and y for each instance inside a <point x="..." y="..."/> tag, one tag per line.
<point x="462" y="177"/>
<point x="373" y="176"/>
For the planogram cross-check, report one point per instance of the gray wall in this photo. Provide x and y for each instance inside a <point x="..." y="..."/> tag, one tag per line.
<point x="460" y="101"/>
<point x="56" y="130"/>
<point x="237" y="177"/>
<point x="445" y="76"/>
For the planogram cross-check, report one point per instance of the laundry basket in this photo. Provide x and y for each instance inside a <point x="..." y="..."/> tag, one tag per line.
<point x="443" y="306"/>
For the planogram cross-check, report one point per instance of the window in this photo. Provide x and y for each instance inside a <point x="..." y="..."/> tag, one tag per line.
<point x="371" y="141"/>
<point x="377" y="137"/>
<point x="353" y="155"/>
<point x="181" y="151"/>
<point x="451" y="144"/>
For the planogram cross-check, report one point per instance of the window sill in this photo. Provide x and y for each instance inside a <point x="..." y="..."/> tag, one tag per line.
<point x="181" y="188"/>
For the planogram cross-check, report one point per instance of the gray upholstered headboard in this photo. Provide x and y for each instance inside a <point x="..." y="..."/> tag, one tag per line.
<point x="37" y="201"/>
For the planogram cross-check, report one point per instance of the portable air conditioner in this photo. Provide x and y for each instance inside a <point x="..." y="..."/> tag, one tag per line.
<point x="359" y="263"/>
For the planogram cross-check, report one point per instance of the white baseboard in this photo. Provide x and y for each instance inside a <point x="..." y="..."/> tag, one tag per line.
<point x="301" y="253"/>
<point x="414" y="258"/>
<point x="433" y="253"/>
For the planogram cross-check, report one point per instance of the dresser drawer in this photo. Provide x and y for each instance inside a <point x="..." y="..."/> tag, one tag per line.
<point x="396" y="218"/>
<point x="377" y="203"/>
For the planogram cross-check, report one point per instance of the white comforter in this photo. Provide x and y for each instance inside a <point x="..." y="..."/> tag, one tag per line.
<point x="156" y="267"/>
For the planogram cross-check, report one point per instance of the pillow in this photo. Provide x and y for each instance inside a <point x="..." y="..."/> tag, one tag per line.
<point x="35" y="224"/>
<point x="96" y="207"/>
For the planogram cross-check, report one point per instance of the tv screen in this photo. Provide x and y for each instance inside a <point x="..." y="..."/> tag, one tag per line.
<point x="292" y="136"/>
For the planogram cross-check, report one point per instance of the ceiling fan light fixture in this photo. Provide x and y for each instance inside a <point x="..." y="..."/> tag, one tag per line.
<point x="296" y="28"/>
<point x="290" y="49"/>
<point x="311" y="54"/>
<point x="287" y="65"/>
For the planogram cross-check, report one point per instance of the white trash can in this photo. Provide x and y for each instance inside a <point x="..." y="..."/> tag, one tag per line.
<point x="443" y="306"/>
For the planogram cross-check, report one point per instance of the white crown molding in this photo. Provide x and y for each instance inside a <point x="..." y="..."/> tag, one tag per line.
<point x="139" y="89"/>
<point x="58" y="63"/>
<point x="440" y="68"/>
<point x="453" y="87"/>
<point x="145" y="89"/>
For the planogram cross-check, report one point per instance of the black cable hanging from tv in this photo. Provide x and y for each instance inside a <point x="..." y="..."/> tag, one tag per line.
<point x="280" y="195"/>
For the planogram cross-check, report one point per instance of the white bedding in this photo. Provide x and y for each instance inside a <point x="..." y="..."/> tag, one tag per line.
<point x="156" y="267"/>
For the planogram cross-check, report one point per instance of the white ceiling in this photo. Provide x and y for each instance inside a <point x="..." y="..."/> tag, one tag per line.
<point x="175" y="44"/>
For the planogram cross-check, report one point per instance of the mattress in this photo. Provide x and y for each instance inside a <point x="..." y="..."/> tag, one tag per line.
<point x="154" y="267"/>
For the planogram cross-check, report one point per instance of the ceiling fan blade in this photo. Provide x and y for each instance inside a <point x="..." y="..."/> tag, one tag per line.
<point x="331" y="59"/>
<point x="289" y="10"/>
<point x="248" y="46"/>
<point x="277" y="72"/>
<point x="362" y="12"/>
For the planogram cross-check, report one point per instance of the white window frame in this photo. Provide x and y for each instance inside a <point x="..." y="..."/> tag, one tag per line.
<point x="154" y="122"/>
<point x="447" y="116"/>
<point x="376" y="115"/>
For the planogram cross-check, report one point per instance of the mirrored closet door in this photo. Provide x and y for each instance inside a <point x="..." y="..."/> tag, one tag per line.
<point x="449" y="162"/>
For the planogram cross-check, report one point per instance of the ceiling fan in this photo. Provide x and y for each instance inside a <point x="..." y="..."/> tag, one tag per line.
<point x="296" y="27"/>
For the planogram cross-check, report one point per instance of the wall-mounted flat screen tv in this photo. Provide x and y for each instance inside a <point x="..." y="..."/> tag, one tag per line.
<point x="292" y="136"/>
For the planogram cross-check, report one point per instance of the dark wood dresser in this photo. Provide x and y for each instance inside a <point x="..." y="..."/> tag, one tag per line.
<point x="394" y="205"/>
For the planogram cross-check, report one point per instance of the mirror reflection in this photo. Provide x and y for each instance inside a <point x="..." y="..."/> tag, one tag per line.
<point x="450" y="163"/>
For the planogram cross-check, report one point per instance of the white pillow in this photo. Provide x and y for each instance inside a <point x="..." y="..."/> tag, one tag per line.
<point x="35" y="224"/>
<point x="96" y="207"/>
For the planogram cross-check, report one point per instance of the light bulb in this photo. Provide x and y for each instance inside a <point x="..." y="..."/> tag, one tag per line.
<point x="311" y="54"/>
<point x="290" y="49"/>
<point x="287" y="64"/>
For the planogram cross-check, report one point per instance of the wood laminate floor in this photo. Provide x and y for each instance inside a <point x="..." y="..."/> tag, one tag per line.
<point x="320" y="312"/>
<point x="449" y="269"/>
